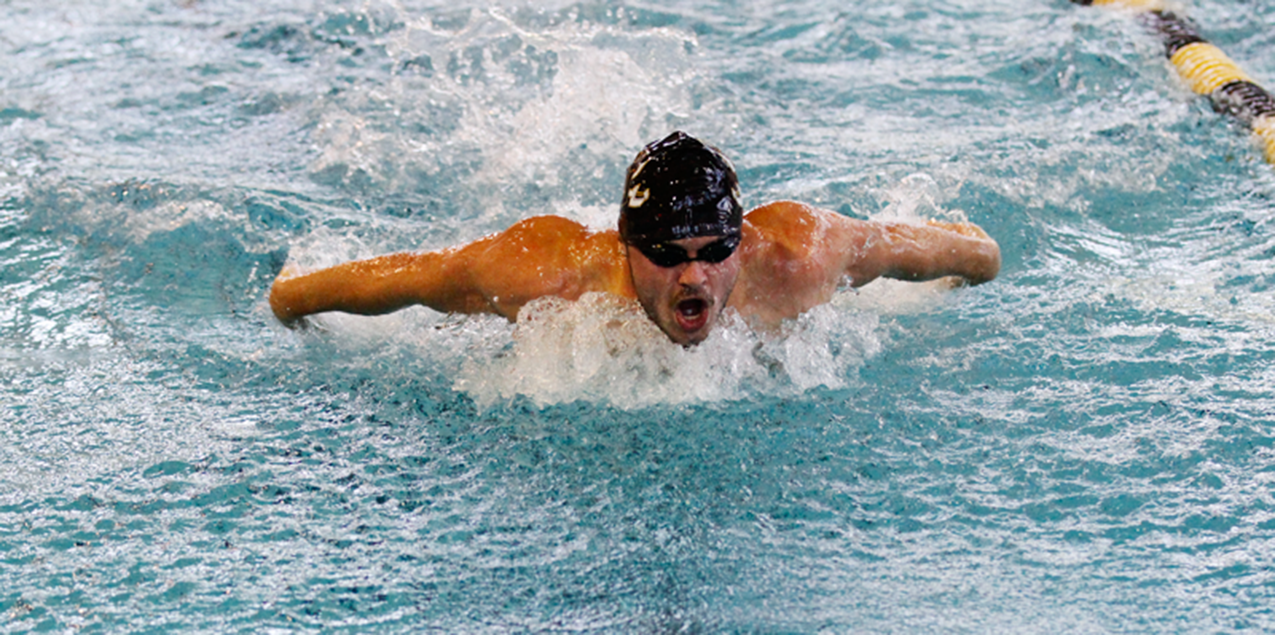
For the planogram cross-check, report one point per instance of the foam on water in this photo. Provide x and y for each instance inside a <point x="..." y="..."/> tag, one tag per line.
<point x="602" y="348"/>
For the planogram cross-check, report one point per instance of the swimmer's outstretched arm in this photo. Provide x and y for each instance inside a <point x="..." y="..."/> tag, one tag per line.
<point x="375" y="286"/>
<point x="926" y="252"/>
<point x="821" y="248"/>
<point x="495" y="274"/>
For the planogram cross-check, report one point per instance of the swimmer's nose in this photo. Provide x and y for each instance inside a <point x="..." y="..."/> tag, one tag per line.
<point x="693" y="274"/>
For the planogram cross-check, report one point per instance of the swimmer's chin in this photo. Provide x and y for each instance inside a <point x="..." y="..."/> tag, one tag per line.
<point x="685" y="338"/>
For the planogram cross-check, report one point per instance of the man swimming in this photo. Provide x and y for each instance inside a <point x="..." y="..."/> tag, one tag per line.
<point x="685" y="250"/>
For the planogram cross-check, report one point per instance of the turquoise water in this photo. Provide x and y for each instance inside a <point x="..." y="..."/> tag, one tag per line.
<point x="1084" y="445"/>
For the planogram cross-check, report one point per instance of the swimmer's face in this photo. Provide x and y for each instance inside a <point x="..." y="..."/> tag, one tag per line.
<point x="686" y="297"/>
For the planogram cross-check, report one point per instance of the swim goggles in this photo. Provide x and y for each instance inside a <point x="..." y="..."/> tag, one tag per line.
<point x="669" y="255"/>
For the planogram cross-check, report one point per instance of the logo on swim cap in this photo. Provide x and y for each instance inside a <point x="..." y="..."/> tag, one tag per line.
<point x="679" y="188"/>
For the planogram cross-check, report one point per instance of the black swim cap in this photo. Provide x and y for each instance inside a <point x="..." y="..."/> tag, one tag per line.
<point x="679" y="188"/>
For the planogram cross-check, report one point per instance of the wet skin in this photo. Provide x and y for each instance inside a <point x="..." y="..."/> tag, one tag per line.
<point x="791" y="257"/>
<point x="684" y="300"/>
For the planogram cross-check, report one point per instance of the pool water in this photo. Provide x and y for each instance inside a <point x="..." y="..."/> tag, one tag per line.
<point x="1085" y="444"/>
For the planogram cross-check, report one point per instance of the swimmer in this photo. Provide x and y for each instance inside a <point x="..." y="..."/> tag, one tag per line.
<point x="685" y="250"/>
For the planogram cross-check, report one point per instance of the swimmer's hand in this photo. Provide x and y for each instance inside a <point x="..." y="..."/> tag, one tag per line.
<point x="282" y="311"/>
<point x="304" y="325"/>
<point x="964" y="229"/>
<point x="290" y="270"/>
<point x="296" y="323"/>
<point x="950" y="283"/>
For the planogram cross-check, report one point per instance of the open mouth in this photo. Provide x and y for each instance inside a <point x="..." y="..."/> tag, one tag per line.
<point x="691" y="308"/>
<point x="692" y="314"/>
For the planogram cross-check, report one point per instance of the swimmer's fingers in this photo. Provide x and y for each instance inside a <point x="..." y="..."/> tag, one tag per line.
<point x="304" y="325"/>
<point x="964" y="229"/>
<point x="296" y="324"/>
<point x="289" y="270"/>
<point x="949" y="283"/>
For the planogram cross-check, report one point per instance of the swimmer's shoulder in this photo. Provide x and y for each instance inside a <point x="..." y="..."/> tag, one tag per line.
<point x="780" y="212"/>
<point x="791" y="261"/>
<point x="592" y="259"/>
<point x="547" y="237"/>
<point x="549" y="227"/>
<point x="545" y="228"/>
<point x="569" y="236"/>
<point x="791" y="228"/>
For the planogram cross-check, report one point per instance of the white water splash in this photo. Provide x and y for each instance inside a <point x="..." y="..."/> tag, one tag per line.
<point x="603" y="348"/>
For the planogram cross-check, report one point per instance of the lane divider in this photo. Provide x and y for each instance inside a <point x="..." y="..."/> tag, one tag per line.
<point x="1206" y="69"/>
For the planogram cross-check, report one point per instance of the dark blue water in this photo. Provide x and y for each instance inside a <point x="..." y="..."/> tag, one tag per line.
<point x="1086" y="444"/>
